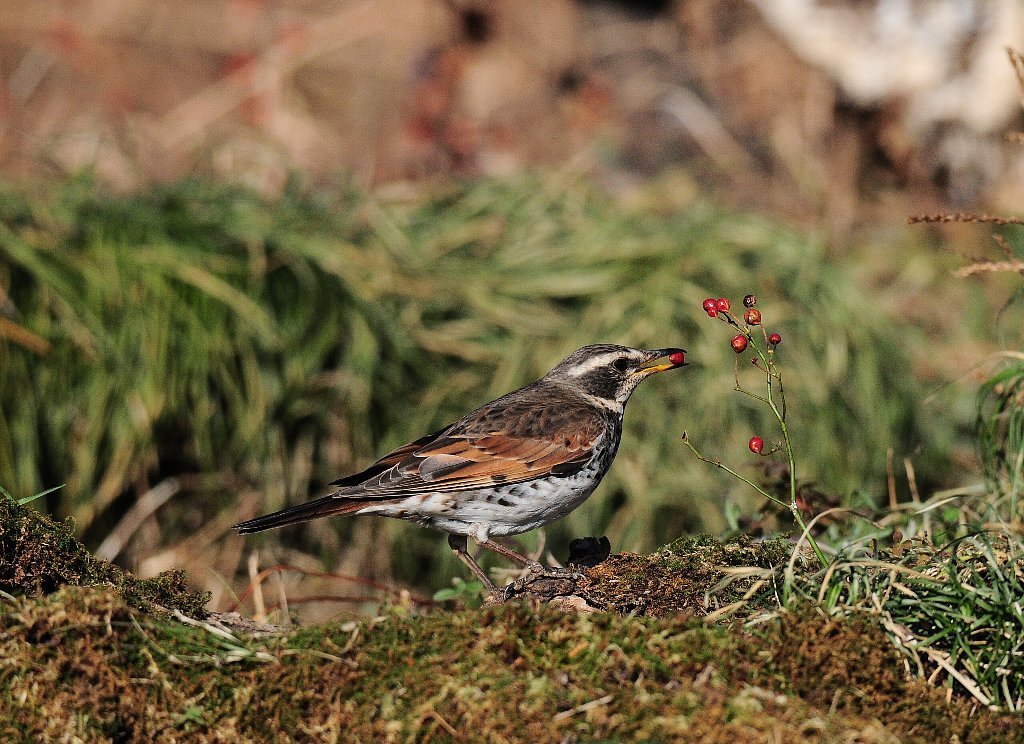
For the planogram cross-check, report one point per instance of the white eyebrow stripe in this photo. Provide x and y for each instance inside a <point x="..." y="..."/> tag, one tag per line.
<point x="592" y="364"/>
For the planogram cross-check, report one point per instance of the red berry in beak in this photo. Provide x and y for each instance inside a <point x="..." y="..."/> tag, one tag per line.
<point x="739" y="344"/>
<point x="749" y="301"/>
<point x="677" y="358"/>
<point x="752" y="316"/>
<point x="756" y="445"/>
<point x="722" y="305"/>
<point x="775" y="339"/>
<point x="709" y="305"/>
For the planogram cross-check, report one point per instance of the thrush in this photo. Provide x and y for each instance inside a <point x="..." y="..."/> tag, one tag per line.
<point x="512" y="465"/>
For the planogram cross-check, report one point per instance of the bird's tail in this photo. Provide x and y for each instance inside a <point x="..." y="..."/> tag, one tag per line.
<point x="327" y="506"/>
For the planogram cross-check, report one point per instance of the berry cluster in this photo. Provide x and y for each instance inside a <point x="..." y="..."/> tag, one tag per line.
<point x="721" y="307"/>
<point x="765" y="347"/>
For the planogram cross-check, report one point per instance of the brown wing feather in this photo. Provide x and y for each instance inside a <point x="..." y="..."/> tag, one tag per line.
<point x="523" y="440"/>
<point x="387" y="462"/>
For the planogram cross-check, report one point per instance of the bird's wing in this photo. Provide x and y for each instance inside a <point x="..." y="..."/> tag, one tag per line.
<point x="388" y="461"/>
<point x="503" y="442"/>
<point x="523" y="442"/>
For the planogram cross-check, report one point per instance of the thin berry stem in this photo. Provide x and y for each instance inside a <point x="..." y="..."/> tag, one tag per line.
<point x="792" y="506"/>
<point x="730" y="471"/>
<point x="755" y="396"/>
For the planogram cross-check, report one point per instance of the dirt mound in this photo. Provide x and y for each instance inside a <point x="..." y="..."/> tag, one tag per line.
<point x="693" y="576"/>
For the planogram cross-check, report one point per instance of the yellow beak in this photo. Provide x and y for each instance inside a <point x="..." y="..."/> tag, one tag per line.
<point x="655" y="355"/>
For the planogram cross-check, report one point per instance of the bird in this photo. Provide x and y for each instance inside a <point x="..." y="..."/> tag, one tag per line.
<point x="512" y="465"/>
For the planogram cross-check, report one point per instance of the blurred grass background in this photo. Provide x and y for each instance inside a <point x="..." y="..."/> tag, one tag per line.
<point x="201" y="320"/>
<point x="209" y="354"/>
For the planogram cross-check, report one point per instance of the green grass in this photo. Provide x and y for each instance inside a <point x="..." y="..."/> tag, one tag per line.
<point x="1001" y="431"/>
<point x="953" y="610"/>
<point x="268" y="347"/>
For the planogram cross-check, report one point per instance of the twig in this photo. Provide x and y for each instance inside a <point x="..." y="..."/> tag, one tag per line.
<point x="697" y="118"/>
<point x="565" y="714"/>
<point x="443" y="723"/>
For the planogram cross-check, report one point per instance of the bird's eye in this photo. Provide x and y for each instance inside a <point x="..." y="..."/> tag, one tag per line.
<point x="621" y="364"/>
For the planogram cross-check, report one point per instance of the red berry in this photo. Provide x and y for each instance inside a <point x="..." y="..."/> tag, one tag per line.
<point x="775" y="339"/>
<point x="752" y="316"/>
<point x="756" y="445"/>
<point x="739" y="343"/>
<point x="712" y="313"/>
<point x="709" y="305"/>
<point x="677" y="358"/>
<point x="722" y="304"/>
<point x="749" y="301"/>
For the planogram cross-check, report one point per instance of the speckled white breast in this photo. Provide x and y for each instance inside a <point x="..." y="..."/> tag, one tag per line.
<point x="504" y="509"/>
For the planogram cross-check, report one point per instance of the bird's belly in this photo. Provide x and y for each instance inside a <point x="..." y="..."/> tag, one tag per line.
<point x="506" y="510"/>
<point x="527" y="506"/>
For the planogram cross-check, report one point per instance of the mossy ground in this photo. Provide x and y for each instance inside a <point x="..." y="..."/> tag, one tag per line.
<point x="83" y="663"/>
<point x="101" y="662"/>
<point x="39" y="555"/>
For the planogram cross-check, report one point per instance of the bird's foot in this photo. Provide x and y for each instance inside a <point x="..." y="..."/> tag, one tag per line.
<point x="535" y="569"/>
<point x="540" y="580"/>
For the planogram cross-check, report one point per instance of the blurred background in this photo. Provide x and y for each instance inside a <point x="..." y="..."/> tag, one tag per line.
<point x="246" y="247"/>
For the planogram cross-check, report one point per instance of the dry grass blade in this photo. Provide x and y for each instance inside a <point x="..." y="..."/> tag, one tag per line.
<point x="139" y="512"/>
<point x="964" y="218"/>
<point x="988" y="267"/>
<point x="583" y="708"/>
<point x="23" y="337"/>
<point x="1017" y="62"/>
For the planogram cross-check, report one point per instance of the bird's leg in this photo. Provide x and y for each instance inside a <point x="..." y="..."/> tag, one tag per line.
<point x="458" y="544"/>
<point x="512" y="555"/>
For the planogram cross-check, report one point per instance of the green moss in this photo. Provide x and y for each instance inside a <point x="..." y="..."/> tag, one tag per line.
<point x="82" y="662"/>
<point x="39" y="555"/>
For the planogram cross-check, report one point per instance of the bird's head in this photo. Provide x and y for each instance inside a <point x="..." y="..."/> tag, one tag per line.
<point x="612" y="372"/>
